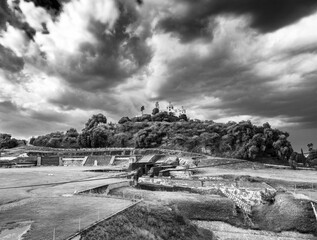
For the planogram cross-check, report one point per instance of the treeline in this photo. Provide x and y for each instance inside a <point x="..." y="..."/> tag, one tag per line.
<point x="69" y="139"/>
<point x="162" y="130"/>
<point x="6" y="141"/>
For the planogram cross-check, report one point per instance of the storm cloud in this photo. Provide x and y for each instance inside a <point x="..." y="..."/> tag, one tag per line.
<point x="114" y="57"/>
<point x="54" y="5"/>
<point x="193" y="19"/>
<point x="109" y="44"/>
<point x="244" y="73"/>
<point x="9" y="61"/>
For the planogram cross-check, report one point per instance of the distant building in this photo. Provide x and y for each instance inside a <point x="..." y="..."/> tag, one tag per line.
<point x="175" y="111"/>
<point x="170" y="108"/>
<point x="182" y="111"/>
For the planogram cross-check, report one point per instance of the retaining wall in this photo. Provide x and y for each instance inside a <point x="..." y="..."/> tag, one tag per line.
<point x="24" y="162"/>
<point x="73" y="161"/>
<point x="150" y="158"/>
<point x="50" y="161"/>
<point x="105" y="189"/>
<point x="117" y="185"/>
<point x="171" y="182"/>
<point x="181" y="174"/>
<point x="102" y="160"/>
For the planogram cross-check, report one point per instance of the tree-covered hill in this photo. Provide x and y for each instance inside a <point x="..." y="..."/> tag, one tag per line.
<point x="162" y="130"/>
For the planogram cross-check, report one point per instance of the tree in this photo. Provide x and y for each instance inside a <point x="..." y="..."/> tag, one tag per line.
<point x="54" y="142"/>
<point x="124" y="120"/>
<point x="121" y="139"/>
<point x="32" y="140"/>
<point x="70" y="139"/>
<point x="149" y="137"/>
<point x="210" y="140"/>
<point x="72" y="132"/>
<point x="155" y="111"/>
<point x="183" y="117"/>
<point x="99" y="137"/>
<point x="240" y="140"/>
<point x="7" y="142"/>
<point x="94" y="121"/>
<point x="84" y="140"/>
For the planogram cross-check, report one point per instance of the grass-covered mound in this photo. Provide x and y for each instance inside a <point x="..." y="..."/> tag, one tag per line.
<point x="239" y="140"/>
<point x="144" y="222"/>
<point x="286" y="213"/>
<point x="192" y="206"/>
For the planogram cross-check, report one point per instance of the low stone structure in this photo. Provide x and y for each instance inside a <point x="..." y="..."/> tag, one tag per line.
<point x="244" y="195"/>
<point x="74" y="161"/>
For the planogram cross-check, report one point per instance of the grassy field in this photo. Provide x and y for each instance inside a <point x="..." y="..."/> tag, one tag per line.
<point x="10" y="179"/>
<point x="66" y="214"/>
<point x="52" y="205"/>
<point x="147" y="221"/>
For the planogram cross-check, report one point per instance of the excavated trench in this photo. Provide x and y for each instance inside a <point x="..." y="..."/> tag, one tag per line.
<point x="208" y="204"/>
<point x="282" y="216"/>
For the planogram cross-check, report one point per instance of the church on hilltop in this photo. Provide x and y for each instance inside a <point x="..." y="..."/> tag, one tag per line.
<point x="171" y="109"/>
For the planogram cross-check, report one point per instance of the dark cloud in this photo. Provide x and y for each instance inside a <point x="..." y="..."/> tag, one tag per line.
<point x="266" y="15"/>
<point x="47" y="116"/>
<point x="9" y="16"/>
<point x="109" y="102"/>
<point x="140" y="2"/>
<point x="57" y="5"/>
<point x="4" y="13"/>
<point x="23" y="126"/>
<point x="188" y="29"/>
<point x="239" y="89"/>
<point x="260" y="100"/>
<point x="7" y="107"/>
<point x="24" y="123"/>
<point x="190" y="75"/>
<point x="119" y="54"/>
<point x="53" y="5"/>
<point x="9" y="61"/>
<point x="299" y="137"/>
<point x="74" y="99"/>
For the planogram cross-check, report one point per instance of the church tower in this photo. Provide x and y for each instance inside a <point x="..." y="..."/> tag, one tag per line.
<point x="170" y="108"/>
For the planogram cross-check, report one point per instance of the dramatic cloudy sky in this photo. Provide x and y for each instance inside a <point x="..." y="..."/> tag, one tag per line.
<point x="62" y="61"/>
